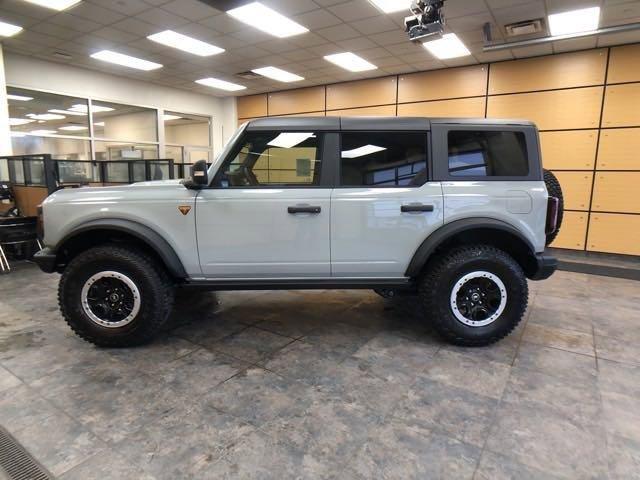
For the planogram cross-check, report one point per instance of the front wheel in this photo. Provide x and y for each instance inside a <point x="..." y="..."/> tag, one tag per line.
<point x="114" y="296"/>
<point x="475" y="295"/>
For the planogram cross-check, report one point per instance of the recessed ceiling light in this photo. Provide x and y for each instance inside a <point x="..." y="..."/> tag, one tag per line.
<point x="350" y="61"/>
<point x="392" y="6"/>
<point x="362" y="151"/>
<point x="20" y="98"/>
<point x="14" y="122"/>
<point x="68" y="112"/>
<point x="185" y="43"/>
<point x="45" y="116"/>
<point x="583" y="20"/>
<point x="98" y="124"/>
<point x="9" y="30"/>
<point x="125" y="60"/>
<point x="43" y="132"/>
<point x="54" y="4"/>
<point x="278" y="74"/>
<point x="73" y="128"/>
<point x="449" y="46"/>
<point x="168" y="117"/>
<point x="82" y="108"/>
<point x="221" y="84"/>
<point x="267" y="20"/>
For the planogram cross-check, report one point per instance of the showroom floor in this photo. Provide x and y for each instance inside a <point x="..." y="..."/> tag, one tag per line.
<point x="326" y="384"/>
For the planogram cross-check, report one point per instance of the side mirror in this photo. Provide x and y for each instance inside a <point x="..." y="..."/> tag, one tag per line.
<point x="199" y="176"/>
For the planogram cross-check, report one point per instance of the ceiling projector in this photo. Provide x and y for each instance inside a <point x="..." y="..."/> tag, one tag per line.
<point x="427" y="19"/>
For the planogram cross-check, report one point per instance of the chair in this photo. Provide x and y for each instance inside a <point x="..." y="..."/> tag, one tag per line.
<point x="16" y="231"/>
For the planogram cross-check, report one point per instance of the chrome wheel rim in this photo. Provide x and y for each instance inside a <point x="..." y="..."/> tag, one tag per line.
<point x="110" y="299"/>
<point x="478" y="298"/>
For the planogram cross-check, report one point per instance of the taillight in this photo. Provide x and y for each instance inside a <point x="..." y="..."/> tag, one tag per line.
<point x="553" y="204"/>
<point x="40" y="222"/>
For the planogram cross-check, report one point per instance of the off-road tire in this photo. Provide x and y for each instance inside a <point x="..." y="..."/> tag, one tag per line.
<point x="153" y="282"/>
<point x="440" y="278"/>
<point x="555" y="190"/>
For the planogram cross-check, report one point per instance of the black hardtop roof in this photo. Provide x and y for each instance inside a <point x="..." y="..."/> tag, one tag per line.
<point x="372" y="123"/>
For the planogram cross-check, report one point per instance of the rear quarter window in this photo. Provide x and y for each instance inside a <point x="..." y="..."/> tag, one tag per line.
<point x="477" y="153"/>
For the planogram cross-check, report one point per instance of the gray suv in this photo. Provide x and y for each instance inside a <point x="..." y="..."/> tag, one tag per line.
<point x="450" y="214"/>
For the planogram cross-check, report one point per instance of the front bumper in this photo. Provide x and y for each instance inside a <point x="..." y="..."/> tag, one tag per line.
<point x="46" y="259"/>
<point x="545" y="266"/>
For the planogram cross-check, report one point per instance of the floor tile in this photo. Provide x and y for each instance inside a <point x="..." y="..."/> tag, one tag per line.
<point x="619" y="377"/>
<point x="106" y="464"/>
<point x="621" y="415"/>
<point x="624" y="458"/>
<point x="499" y="467"/>
<point x="8" y="380"/>
<point x="569" y="340"/>
<point x="555" y="362"/>
<point x="618" y="350"/>
<point x="252" y="345"/>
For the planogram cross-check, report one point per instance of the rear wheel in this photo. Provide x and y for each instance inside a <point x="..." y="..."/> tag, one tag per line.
<point x="114" y="296"/>
<point x="474" y="295"/>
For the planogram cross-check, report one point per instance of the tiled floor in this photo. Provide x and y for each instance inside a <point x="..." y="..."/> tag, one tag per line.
<point x="328" y="384"/>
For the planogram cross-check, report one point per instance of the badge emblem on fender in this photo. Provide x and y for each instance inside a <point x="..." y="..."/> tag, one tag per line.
<point x="184" y="209"/>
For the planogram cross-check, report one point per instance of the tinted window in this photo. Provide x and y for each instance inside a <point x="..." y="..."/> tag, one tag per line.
<point x="382" y="159"/>
<point x="487" y="154"/>
<point x="275" y="158"/>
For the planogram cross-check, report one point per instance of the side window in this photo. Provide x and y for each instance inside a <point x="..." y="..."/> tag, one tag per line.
<point x="487" y="154"/>
<point x="383" y="159"/>
<point x="290" y="159"/>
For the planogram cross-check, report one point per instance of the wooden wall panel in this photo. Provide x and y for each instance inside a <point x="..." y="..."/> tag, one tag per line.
<point x="297" y="101"/>
<point x="462" y="107"/>
<point x="624" y="65"/>
<point x="384" y="111"/>
<point x="616" y="192"/>
<point x="569" y="150"/>
<point x="306" y="114"/>
<point x="618" y="149"/>
<point x="363" y="93"/>
<point x="566" y="70"/>
<point x="622" y="106"/>
<point x="441" y="84"/>
<point x="576" y="189"/>
<point x="554" y="110"/>
<point x="252" y="106"/>
<point x="28" y="198"/>
<point x="614" y="233"/>
<point x="573" y="231"/>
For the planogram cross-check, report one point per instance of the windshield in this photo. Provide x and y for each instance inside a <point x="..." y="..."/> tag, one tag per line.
<point x="225" y="151"/>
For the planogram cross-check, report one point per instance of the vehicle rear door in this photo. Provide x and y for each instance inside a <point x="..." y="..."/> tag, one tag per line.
<point x="384" y="204"/>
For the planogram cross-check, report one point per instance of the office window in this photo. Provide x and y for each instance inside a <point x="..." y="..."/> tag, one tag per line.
<point x="487" y="154"/>
<point x="275" y="158"/>
<point x="116" y="121"/>
<point x="383" y="159"/>
<point x="59" y="148"/>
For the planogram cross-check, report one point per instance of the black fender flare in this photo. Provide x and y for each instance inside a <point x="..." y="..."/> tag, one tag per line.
<point x="146" y="234"/>
<point x="448" y="230"/>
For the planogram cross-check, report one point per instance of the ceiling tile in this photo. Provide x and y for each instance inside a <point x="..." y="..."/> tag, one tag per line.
<point x="115" y="35"/>
<point x="132" y="24"/>
<point x="518" y="13"/>
<point x="224" y="23"/>
<point x="317" y="19"/>
<point x="291" y="7"/>
<point x="355" y="44"/>
<point x="458" y="8"/>
<point x="354" y="10"/>
<point x="372" y="25"/>
<point x="161" y="18"/>
<point x="389" y="38"/>
<point x="194" y="10"/>
<point x="126" y="7"/>
<point x="74" y="23"/>
<point x="339" y="32"/>
<point x="95" y="13"/>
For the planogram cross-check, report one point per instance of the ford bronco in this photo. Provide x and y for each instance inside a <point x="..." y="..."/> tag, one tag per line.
<point x="451" y="214"/>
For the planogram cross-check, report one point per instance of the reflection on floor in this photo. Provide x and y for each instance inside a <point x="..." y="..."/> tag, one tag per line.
<point x="328" y="384"/>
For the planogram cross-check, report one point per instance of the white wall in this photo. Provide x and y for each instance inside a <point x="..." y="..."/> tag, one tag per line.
<point x="37" y="74"/>
<point x="5" y="139"/>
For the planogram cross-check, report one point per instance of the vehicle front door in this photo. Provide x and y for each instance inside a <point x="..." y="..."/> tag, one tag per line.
<point x="266" y="213"/>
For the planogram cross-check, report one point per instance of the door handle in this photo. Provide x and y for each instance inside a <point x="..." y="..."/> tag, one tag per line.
<point x="306" y="209"/>
<point x="416" y="207"/>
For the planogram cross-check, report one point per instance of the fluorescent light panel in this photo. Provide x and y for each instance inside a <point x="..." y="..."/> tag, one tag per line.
<point x="449" y="46"/>
<point x="583" y="20"/>
<point x="350" y="61"/>
<point x="45" y="116"/>
<point x="14" y="122"/>
<point x="82" y="108"/>
<point x="220" y="84"/>
<point x="267" y="20"/>
<point x="67" y="112"/>
<point x="290" y="139"/>
<point x="278" y="74"/>
<point x="185" y="43"/>
<point x="73" y="128"/>
<point x="125" y="60"/>
<point x="362" y="151"/>
<point x="9" y="30"/>
<point x="167" y="117"/>
<point x="20" y="98"/>
<point x="43" y="132"/>
<point x="54" y="4"/>
<point x="98" y="124"/>
<point x="392" y="6"/>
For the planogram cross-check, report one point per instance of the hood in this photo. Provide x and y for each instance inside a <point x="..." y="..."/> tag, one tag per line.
<point x="134" y="191"/>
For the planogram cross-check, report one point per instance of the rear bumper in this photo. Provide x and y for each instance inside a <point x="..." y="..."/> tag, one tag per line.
<point x="545" y="266"/>
<point x="46" y="260"/>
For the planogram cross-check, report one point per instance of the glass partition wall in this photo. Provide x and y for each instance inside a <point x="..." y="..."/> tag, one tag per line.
<point x="71" y="128"/>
